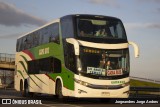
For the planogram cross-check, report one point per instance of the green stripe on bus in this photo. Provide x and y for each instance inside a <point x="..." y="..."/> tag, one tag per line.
<point x="26" y="70"/>
<point x="39" y="79"/>
<point x="23" y="76"/>
<point x="21" y="62"/>
<point x="20" y="73"/>
<point x="24" y="58"/>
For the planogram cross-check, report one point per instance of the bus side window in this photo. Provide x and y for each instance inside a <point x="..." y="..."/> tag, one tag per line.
<point x="18" y="45"/>
<point x="29" y="41"/>
<point x="35" y="39"/>
<point x="70" y="62"/>
<point x="54" y="33"/>
<point x="57" y="65"/>
<point x="24" y="44"/>
<point x="44" y="66"/>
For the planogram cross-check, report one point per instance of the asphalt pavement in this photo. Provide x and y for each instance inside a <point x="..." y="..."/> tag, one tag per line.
<point x="51" y="101"/>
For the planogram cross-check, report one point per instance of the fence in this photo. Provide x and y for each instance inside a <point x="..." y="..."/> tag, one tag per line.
<point x="7" y="62"/>
<point x="7" y="77"/>
<point x="145" y="92"/>
<point x="7" y="58"/>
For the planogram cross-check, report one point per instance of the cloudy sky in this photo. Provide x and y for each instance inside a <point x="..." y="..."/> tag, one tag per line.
<point x="140" y="17"/>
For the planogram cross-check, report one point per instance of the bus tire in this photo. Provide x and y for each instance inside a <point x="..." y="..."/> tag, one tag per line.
<point x="21" y="88"/>
<point x="59" y="91"/>
<point x="26" y="91"/>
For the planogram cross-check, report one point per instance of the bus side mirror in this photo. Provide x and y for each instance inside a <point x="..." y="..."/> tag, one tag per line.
<point x="136" y="48"/>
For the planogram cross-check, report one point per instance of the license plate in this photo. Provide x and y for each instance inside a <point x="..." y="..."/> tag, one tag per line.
<point x="105" y="93"/>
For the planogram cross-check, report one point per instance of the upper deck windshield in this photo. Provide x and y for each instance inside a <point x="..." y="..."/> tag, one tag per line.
<point x="100" y="28"/>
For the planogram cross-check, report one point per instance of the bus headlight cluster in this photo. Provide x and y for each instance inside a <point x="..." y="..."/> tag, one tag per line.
<point x="94" y="86"/>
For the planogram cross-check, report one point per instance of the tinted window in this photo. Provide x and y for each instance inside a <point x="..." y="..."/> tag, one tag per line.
<point x="49" y="34"/>
<point x="45" y="65"/>
<point x="57" y="65"/>
<point x="54" y="33"/>
<point x="67" y="27"/>
<point x="100" y="28"/>
<point x="18" y="45"/>
<point x="45" y="35"/>
<point x="70" y="61"/>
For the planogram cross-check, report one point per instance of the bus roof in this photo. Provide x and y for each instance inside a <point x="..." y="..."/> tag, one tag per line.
<point x="54" y="21"/>
<point x="89" y="16"/>
<point x="67" y="16"/>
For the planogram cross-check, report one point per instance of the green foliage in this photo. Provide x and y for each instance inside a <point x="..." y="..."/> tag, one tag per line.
<point x="143" y="83"/>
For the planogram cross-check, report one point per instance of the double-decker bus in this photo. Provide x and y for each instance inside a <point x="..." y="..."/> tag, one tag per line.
<point x="82" y="56"/>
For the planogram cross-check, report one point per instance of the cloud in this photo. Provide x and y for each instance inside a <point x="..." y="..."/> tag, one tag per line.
<point x="112" y="3"/>
<point x="153" y="25"/>
<point x="12" y="16"/>
<point x="142" y="25"/>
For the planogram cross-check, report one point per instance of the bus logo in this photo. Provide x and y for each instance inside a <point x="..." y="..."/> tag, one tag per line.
<point x="6" y="101"/>
<point x="44" y="51"/>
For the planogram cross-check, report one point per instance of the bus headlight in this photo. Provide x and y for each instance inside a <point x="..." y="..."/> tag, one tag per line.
<point x="79" y="69"/>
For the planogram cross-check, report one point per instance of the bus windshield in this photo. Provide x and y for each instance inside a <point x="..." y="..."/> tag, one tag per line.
<point x="99" y="62"/>
<point x="100" y="28"/>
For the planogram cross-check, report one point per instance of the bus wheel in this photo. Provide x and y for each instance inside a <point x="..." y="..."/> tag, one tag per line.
<point x="21" y="88"/>
<point x="26" y="91"/>
<point x="59" y="91"/>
